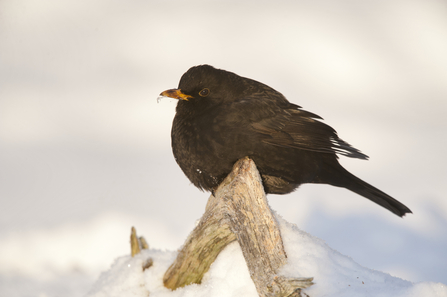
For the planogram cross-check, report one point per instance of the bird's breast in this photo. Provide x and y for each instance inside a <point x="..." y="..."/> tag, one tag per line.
<point x="206" y="147"/>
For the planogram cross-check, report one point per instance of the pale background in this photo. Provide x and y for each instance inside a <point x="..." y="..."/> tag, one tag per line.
<point x="85" y="147"/>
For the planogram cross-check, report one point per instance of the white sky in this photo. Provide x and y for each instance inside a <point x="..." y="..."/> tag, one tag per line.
<point x="82" y="135"/>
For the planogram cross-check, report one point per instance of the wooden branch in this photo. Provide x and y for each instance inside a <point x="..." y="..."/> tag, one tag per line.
<point x="134" y="243"/>
<point x="137" y="243"/>
<point x="238" y="210"/>
<point x="200" y="250"/>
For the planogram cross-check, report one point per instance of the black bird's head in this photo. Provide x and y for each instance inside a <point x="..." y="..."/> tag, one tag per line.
<point x="203" y="87"/>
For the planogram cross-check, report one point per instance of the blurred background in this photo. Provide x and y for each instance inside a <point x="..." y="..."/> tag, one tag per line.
<point x="85" y="147"/>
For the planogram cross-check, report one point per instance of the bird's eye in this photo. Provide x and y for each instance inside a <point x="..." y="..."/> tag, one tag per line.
<point x="205" y="92"/>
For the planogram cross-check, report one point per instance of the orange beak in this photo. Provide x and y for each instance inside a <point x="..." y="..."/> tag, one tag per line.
<point x="176" y="94"/>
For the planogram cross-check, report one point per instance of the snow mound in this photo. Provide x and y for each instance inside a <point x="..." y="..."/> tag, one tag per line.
<point x="334" y="274"/>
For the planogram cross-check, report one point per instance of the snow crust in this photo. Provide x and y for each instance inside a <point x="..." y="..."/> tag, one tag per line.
<point x="334" y="274"/>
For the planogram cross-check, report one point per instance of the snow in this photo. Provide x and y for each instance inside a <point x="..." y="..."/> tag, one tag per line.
<point x="334" y="274"/>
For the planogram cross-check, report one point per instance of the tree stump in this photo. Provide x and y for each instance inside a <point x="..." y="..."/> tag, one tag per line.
<point x="238" y="210"/>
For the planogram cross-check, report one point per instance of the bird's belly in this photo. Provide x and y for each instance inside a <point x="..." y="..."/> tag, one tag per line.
<point x="207" y="163"/>
<point x="205" y="169"/>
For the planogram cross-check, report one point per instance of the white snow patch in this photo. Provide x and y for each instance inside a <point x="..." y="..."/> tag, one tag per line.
<point x="334" y="274"/>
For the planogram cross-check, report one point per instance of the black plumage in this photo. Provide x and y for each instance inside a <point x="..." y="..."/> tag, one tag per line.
<point x="222" y="117"/>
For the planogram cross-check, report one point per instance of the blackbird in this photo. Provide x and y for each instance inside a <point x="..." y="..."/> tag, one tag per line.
<point x="222" y="117"/>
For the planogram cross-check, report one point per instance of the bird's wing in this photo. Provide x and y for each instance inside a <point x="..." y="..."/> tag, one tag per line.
<point x="297" y="128"/>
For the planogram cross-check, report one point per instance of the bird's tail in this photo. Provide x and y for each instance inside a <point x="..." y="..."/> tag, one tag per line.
<point x="345" y="179"/>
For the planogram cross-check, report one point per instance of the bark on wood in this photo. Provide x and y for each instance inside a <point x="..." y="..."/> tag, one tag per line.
<point x="136" y="245"/>
<point x="238" y="211"/>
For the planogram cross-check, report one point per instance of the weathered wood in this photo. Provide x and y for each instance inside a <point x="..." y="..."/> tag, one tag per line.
<point x="143" y="243"/>
<point x="137" y="243"/>
<point x="238" y="210"/>
<point x="200" y="250"/>
<point x="134" y="243"/>
<point x="250" y="218"/>
<point x="148" y="264"/>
